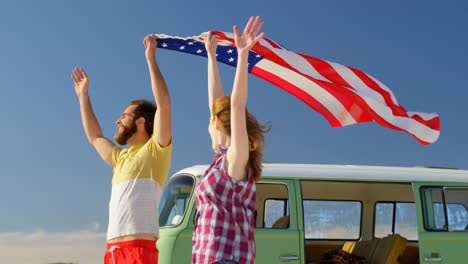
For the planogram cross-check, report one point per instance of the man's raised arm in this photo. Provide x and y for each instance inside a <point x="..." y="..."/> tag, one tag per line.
<point x="90" y="124"/>
<point x="162" y="120"/>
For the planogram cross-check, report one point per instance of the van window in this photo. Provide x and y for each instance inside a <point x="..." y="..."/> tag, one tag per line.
<point x="396" y="218"/>
<point x="272" y="209"/>
<point x="332" y="219"/>
<point x="445" y="208"/>
<point x="174" y="200"/>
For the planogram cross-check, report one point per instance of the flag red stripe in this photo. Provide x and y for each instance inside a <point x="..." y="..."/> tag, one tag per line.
<point x="433" y="123"/>
<point x="272" y="43"/>
<point x="326" y="70"/>
<point x="338" y="92"/>
<point x="397" y="109"/>
<point x="297" y="92"/>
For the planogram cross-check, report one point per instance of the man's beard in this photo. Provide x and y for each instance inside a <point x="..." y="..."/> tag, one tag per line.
<point x="122" y="136"/>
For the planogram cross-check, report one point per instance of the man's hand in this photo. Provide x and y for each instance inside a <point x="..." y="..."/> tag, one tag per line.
<point x="211" y="44"/>
<point x="80" y="79"/>
<point x="150" y="42"/>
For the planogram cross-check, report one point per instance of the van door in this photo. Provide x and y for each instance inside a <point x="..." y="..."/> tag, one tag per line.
<point x="176" y="214"/>
<point x="277" y="235"/>
<point x="442" y="222"/>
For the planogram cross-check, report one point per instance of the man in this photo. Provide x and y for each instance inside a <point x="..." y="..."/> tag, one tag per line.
<point x="140" y="170"/>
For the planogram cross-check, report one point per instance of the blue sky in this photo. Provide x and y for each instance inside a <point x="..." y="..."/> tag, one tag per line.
<point x="53" y="180"/>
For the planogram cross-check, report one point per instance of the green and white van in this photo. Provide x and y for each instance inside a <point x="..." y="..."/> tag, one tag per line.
<point x="384" y="214"/>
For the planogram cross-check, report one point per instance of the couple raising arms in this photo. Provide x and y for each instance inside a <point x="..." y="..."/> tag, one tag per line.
<point x="221" y="235"/>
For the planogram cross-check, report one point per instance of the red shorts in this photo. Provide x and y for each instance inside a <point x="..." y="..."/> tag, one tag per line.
<point x="132" y="252"/>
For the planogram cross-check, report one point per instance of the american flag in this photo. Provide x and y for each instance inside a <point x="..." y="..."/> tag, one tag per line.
<point x="342" y="95"/>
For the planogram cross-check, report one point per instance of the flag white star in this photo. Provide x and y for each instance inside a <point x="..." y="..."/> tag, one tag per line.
<point x="230" y="51"/>
<point x="190" y="43"/>
<point x="199" y="51"/>
<point x="231" y="59"/>
<point x="257" y="56"/>
<point x="164" y="45"/>
<point x="182" y="47"/>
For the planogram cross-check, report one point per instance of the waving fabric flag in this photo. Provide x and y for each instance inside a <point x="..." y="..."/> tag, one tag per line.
<point x="341" y="94"/>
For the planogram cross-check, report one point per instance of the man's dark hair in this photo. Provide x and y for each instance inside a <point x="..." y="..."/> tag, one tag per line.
<point x="147" y="110"/>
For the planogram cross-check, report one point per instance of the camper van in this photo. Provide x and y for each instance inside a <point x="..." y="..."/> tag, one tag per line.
<point x="305" y="213"/>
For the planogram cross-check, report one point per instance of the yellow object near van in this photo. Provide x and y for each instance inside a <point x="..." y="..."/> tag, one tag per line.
<point x="308" y="213"/>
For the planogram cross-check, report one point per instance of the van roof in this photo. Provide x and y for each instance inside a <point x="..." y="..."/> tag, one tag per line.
<point x="352" y="172"/>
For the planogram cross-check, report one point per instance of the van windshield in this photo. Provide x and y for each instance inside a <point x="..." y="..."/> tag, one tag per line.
<point x="175" y="199"/>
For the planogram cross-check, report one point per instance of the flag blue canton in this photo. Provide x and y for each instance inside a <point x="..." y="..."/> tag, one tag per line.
<point x="225" y="54"/>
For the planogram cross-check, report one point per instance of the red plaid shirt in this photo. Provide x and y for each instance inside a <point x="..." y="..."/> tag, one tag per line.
<point x="224" y="228"/>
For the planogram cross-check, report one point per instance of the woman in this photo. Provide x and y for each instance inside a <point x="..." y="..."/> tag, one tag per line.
<point x="225" y="197"/>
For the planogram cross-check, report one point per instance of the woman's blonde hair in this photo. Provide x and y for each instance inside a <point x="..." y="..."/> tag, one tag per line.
<point x="255" y="131"/>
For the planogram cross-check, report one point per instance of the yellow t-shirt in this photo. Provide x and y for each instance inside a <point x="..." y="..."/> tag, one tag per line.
<point x="140" y="173"/>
